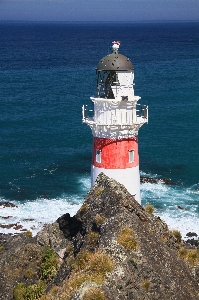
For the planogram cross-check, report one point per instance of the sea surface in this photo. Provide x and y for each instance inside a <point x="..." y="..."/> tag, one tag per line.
<point x="47" y="72"/>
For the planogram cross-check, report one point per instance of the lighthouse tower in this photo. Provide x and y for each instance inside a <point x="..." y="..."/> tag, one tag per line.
<point x="115" y="119"/>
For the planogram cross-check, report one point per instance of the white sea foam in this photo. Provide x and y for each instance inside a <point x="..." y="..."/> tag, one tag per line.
<point x="33" y="215"/>
<point x="177" y="206"/>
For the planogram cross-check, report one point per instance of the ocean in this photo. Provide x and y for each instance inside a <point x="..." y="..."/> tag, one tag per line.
<point x="47" y="72"/>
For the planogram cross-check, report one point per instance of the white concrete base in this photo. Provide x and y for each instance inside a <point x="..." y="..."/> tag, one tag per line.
<point x="129" y="177"/>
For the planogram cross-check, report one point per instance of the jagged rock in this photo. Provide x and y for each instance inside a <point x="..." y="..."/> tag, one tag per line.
<point x="191" y="234"/>
<point x="141" y="253"/>
<point x="144" y="179"/>
<point x="7" y="204"/>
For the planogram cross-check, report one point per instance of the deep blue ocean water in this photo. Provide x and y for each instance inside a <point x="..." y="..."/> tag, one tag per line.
<point x="47" y="72"/>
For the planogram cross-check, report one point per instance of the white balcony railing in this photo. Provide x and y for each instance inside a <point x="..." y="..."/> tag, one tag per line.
<point x="115" y="117"/>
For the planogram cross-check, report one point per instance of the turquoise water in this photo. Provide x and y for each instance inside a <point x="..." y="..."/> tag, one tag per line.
<point x="47" y="72"/>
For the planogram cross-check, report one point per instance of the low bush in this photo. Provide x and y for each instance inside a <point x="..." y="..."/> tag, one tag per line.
<point x="49" y="264"/>
<point x="30" y="292"/>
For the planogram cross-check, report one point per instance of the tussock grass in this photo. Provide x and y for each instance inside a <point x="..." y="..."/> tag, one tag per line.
<point x="177" y="235"/>
<point x="190" y="255"/>
<point x="127" y="239"/>
<point x="28" y="233"/>
<point x="99" y="220"/>
<point x="86" y="266"/>
<point x="94" y="294"/>
<point x="146" y="284"/>
<point x="149" y="208"/>
<point x="92" y="238"/>
<point x="99" y="191"/>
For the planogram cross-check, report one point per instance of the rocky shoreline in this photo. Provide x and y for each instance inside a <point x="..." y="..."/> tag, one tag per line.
<point x="111" y="249"/>
<point x="19" y="228"/>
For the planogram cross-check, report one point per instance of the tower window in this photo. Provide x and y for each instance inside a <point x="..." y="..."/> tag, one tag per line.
<point x="131" y="156"/>
<point x="98" y="156"/>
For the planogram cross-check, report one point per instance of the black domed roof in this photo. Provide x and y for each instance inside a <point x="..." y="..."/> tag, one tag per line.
<point x="115" y="62"/>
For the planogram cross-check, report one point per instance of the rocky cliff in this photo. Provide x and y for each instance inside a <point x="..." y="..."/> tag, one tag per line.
<point x="111" y="249"/>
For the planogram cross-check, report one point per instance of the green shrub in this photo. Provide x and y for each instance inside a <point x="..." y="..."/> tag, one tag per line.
<point x="48" y="265"/>
<point x="31" y="292"/>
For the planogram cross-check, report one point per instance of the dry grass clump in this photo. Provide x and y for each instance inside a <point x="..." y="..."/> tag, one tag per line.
<point x="28" y="233"/>
<point x="80" y="261"/>
<point x="127" y="239"/>
<point x="29" y="273"/>
<point x="99" y="220"/>
<point x="83" y="208"/>
<point x="149" y="208"/>
<point x="146" y="284"/>
<point x="192" y="256"/>
<point x="92" y="238"/>
<point x="94" y="294"/>
<point x="177" y="235"/>
<point x="86" y="266"/>
<point x="99" y="191"/>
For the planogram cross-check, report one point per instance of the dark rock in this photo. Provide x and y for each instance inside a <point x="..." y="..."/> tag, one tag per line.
<point x="180" y="207"/>
<point x="7" y="204"/>
<point x="190" y="234"/>
<point x="7" y="217"/>
<point x="192" y="242"/>
<point x="155" y="180"/>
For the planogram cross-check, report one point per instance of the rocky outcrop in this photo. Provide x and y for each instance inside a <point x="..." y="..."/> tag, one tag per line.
<point x="111" y="249"/>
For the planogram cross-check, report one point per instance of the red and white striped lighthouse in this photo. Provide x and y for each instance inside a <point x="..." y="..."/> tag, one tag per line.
<point x="115" y="122"/>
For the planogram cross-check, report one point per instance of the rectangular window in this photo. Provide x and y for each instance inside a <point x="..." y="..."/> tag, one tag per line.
<point x="131" y="156"/>
<point x="98" y="156"/>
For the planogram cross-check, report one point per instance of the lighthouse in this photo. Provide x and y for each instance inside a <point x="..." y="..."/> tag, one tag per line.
<point x="115" y="119"/>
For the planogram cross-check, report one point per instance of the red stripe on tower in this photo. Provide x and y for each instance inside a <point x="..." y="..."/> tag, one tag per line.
<point x="114" y="153"/>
